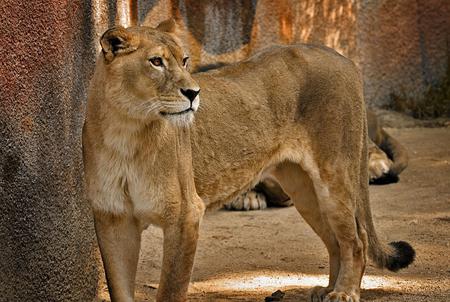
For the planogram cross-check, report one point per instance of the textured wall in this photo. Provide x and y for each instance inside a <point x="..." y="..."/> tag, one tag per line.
<point x="400" y="45"/>
<point x="47" y="241"/>
<point x="232" y="30"/>
<point x="403" y="45"/>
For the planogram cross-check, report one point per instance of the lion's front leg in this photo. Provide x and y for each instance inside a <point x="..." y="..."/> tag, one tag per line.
<point x="119" y="238"/>
<point x="180" y="243"/>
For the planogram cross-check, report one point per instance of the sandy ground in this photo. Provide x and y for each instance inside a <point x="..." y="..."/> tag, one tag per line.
<point x="245" y="256"/>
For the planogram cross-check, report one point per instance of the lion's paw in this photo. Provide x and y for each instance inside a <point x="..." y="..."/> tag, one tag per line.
<point x="247" y="202"/>
<point x="318" y="293"/>
<point x="379" y="165"/>
<point x="341" y="297"/>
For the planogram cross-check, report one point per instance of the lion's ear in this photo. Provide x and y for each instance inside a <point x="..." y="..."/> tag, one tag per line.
<point x="116" y="41"/>
<point x="174" y="30"/>
<point x="168" y="26"/>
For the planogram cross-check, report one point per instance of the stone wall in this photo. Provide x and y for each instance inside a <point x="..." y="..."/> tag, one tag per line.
<point x="47" y="240"/>
<point x="403" y="46"/>
<point x="226" y="31"/>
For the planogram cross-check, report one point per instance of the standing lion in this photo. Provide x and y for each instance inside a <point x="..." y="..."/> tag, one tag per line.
<point x="294" y="114"/>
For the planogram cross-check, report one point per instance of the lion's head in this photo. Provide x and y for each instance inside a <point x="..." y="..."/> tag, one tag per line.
<point x="147" y="74"/>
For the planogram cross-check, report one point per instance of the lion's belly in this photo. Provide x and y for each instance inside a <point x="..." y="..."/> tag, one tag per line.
<point x="227" y="163"/>
<point x="218" y="187"/>
<point x="218" y="181"/>
<point x="226" y="183"/>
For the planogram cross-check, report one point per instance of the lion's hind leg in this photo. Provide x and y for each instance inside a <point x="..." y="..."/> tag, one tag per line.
<point x="340" y="210"/>
<point x="331" y="212"/>
<point x="299" y="186"/>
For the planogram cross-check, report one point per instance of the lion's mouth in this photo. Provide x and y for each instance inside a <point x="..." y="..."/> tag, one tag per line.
<point x="178" y="113"/>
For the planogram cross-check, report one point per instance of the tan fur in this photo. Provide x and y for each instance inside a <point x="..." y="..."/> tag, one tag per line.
<point x="387" y="159"/>
<point x="280" y="114"/>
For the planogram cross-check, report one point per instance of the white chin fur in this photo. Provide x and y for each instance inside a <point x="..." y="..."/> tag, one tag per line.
<point x="185" y="119"/>
<point x="181" y="120"/>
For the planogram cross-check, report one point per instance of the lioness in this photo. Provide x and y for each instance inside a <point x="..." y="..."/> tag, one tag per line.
<point x="387" y="159"/>
<point x="292" y="113"/>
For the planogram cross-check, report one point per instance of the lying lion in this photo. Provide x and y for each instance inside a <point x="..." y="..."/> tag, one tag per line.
<point x="295" y="114"/>
<point x="387" y="159"/>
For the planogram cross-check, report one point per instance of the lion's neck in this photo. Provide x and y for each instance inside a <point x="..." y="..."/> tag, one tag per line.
<point x="129" y="138"/>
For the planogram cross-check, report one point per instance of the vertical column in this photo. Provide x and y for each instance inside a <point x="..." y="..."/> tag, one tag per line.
<point x="47" y="239"/>
<point x="127" y="13"/>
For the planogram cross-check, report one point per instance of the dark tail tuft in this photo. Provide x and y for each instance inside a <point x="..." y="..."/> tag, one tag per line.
<point x="404" y="256"/>
<point x="386" y="179"/>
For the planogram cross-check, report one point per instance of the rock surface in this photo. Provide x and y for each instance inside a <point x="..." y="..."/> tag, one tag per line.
<point x="47" y="239"/>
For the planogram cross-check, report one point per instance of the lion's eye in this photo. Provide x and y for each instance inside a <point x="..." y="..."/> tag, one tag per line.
<point x="185" y="60"/>
<point x="157" y="61"/>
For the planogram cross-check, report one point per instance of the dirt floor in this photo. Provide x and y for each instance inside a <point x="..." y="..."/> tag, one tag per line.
<point x="245" y="256"/>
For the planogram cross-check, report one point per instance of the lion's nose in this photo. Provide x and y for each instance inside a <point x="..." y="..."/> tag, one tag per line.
<point x="190" y="94"/>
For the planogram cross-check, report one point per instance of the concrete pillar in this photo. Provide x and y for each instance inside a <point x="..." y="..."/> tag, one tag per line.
<point x="47" y="240"/>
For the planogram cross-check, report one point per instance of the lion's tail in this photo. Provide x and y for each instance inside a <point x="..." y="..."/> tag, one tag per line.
<point x="393" y="256"/>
